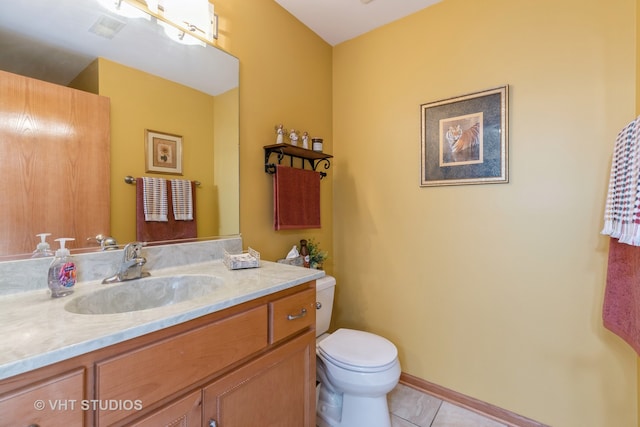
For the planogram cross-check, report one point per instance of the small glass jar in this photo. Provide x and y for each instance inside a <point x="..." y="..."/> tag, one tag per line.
<point x="316" y="144"/>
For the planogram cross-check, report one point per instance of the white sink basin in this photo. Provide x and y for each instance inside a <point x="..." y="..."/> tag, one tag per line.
<point x="143" y="294"/>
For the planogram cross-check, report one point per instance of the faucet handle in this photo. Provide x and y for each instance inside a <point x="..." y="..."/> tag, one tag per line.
<point x="132" y="250"/>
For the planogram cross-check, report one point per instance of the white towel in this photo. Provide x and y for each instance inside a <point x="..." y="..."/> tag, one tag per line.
<point x="182" y="199"/>
<point x="622" y="210"/>
<point x="155" y="199"/>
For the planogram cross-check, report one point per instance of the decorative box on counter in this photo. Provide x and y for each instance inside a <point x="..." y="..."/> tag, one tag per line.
<point x="250" y="259"/>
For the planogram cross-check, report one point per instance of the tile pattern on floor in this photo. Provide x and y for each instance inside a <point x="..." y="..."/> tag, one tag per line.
<point x="412" y="408"/>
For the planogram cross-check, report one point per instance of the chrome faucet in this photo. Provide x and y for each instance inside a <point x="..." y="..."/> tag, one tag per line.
<point x="131" y="267"/>
<point x="106" y="243"/>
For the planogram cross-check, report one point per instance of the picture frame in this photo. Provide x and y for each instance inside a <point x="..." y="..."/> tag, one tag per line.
<point x="163" y="152"/>
<point x="465" y="139"/>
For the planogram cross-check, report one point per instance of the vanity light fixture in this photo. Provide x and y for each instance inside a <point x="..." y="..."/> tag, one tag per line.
<point x="191" y="22"/>
<point x="194" y="17"/>
<point x="179" y="35"/>
<point x="152" y="5"/>
<point x="124" y="9"/>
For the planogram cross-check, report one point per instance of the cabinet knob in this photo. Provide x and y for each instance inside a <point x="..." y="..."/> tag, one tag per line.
<point x="302" y="313"/>
<point x="213" y="423"/>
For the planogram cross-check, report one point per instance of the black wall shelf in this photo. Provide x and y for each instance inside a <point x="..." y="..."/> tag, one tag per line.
<point x="314" y="158"/>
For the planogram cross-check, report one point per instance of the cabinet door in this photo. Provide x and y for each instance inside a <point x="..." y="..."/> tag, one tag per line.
<point x="54" y="402"/>
<point x="185" y="412"/>
<point x="277" y="389"/>
<point x="54" y="157"/>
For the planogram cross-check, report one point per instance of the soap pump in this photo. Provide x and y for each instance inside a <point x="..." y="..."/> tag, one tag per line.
<point x="42" y="249"/>
<point x="62" y="271"/>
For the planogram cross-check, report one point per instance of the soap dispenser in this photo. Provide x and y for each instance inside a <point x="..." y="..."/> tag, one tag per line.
<point x="62" y="271"/>
<point x="42" y="249"/>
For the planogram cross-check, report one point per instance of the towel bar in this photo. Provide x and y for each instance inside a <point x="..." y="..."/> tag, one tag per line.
<point x="131" y="180"/>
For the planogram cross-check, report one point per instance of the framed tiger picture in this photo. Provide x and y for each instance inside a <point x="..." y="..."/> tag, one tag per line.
<point x="465" y="139"/>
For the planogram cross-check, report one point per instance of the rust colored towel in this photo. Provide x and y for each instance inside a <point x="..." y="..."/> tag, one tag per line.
<point x="621" y="310"/>
<point x="152" y="231"/>
<point x="296" y="198"/>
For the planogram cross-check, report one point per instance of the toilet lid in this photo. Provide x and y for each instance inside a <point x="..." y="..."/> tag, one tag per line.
<point x="358" y="350"/>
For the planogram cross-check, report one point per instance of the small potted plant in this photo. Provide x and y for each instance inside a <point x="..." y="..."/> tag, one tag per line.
<point x="316" y="255"/>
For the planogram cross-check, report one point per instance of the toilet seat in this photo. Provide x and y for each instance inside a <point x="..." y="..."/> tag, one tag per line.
<point x="358" y="351"/>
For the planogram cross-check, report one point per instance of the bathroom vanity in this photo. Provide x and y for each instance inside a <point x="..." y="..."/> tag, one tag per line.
<point x="242" y="354"/>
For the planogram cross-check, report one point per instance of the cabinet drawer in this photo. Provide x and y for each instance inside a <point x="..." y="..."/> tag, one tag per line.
<point x="156" y="371"/>
<point x="292" y="314"/>
<point x="56" y="402"/>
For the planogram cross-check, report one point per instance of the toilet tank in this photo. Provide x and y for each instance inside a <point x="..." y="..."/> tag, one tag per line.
<point x="325" y="288"/>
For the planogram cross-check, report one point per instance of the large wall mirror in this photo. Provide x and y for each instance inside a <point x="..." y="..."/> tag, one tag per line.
<point x="192" y="91"/>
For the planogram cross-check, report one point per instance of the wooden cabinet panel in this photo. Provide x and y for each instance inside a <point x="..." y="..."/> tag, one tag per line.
<point x="156" y="371"/>
<point x="185" y="412"/>
<point x="276" y="389"/>
<point x="53" y="402"/>
<point x="292" y="314"/>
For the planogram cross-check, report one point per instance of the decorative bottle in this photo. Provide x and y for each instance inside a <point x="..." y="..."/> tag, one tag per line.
<point x="304" y="253"/>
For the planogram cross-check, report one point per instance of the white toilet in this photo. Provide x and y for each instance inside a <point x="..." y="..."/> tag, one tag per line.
<point x="355" y="370"/>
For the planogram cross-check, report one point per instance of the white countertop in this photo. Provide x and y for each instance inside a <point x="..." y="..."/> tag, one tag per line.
<point x="36" y="330"/>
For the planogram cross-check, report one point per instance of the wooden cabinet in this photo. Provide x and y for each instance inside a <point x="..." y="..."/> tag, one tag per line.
<point x="54" y="157"/>
<point x="53" y="402"/>
<point x="185" y="412"/>
<point x="251" y="364"/>
<point x="276" y="389"/>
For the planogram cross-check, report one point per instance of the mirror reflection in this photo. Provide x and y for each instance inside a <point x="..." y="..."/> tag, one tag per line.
<point x="152" y="83"/>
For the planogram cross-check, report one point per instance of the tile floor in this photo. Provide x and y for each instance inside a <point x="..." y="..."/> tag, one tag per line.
<point x="412" y="408"/>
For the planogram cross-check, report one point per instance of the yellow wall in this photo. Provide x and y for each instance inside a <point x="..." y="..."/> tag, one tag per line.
<point x="494" y="291"/>
<point x="285" y="77"/>
<point x="226" y="175"/>
<point x="142" y="101"/>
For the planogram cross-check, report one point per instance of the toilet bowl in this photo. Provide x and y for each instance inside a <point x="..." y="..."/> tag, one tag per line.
<point x="355" y="371"/>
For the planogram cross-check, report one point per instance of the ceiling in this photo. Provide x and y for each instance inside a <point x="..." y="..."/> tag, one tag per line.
<point x="340" y="20"/>
<point x="54" y="40"/>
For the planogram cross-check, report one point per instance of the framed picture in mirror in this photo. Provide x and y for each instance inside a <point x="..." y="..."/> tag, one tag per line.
<point x="465" y="139"/>
<point x="163" y="152"/>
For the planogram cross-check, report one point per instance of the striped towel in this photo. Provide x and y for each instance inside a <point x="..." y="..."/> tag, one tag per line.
<point x="182" y="200"/>
<point x="622" y="209"/>
<point x="155" y="199"/>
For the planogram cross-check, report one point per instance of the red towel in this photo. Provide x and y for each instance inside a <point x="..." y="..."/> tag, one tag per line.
<point x="152" y="231"/>
<point x="296" y="198"/>
<point x="621" y="309"/>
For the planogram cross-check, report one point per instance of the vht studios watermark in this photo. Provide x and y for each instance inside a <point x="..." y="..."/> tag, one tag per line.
<point x="86" y="405"/>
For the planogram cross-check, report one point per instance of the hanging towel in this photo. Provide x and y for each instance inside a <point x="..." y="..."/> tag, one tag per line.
<point x="182" y="200"/>
<point x="296" y="198"/>
<point x="153" y="231"/>
<point x="621" y="307"/>
<point x="622" y="210"/>
<point x="155" y="199"/>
